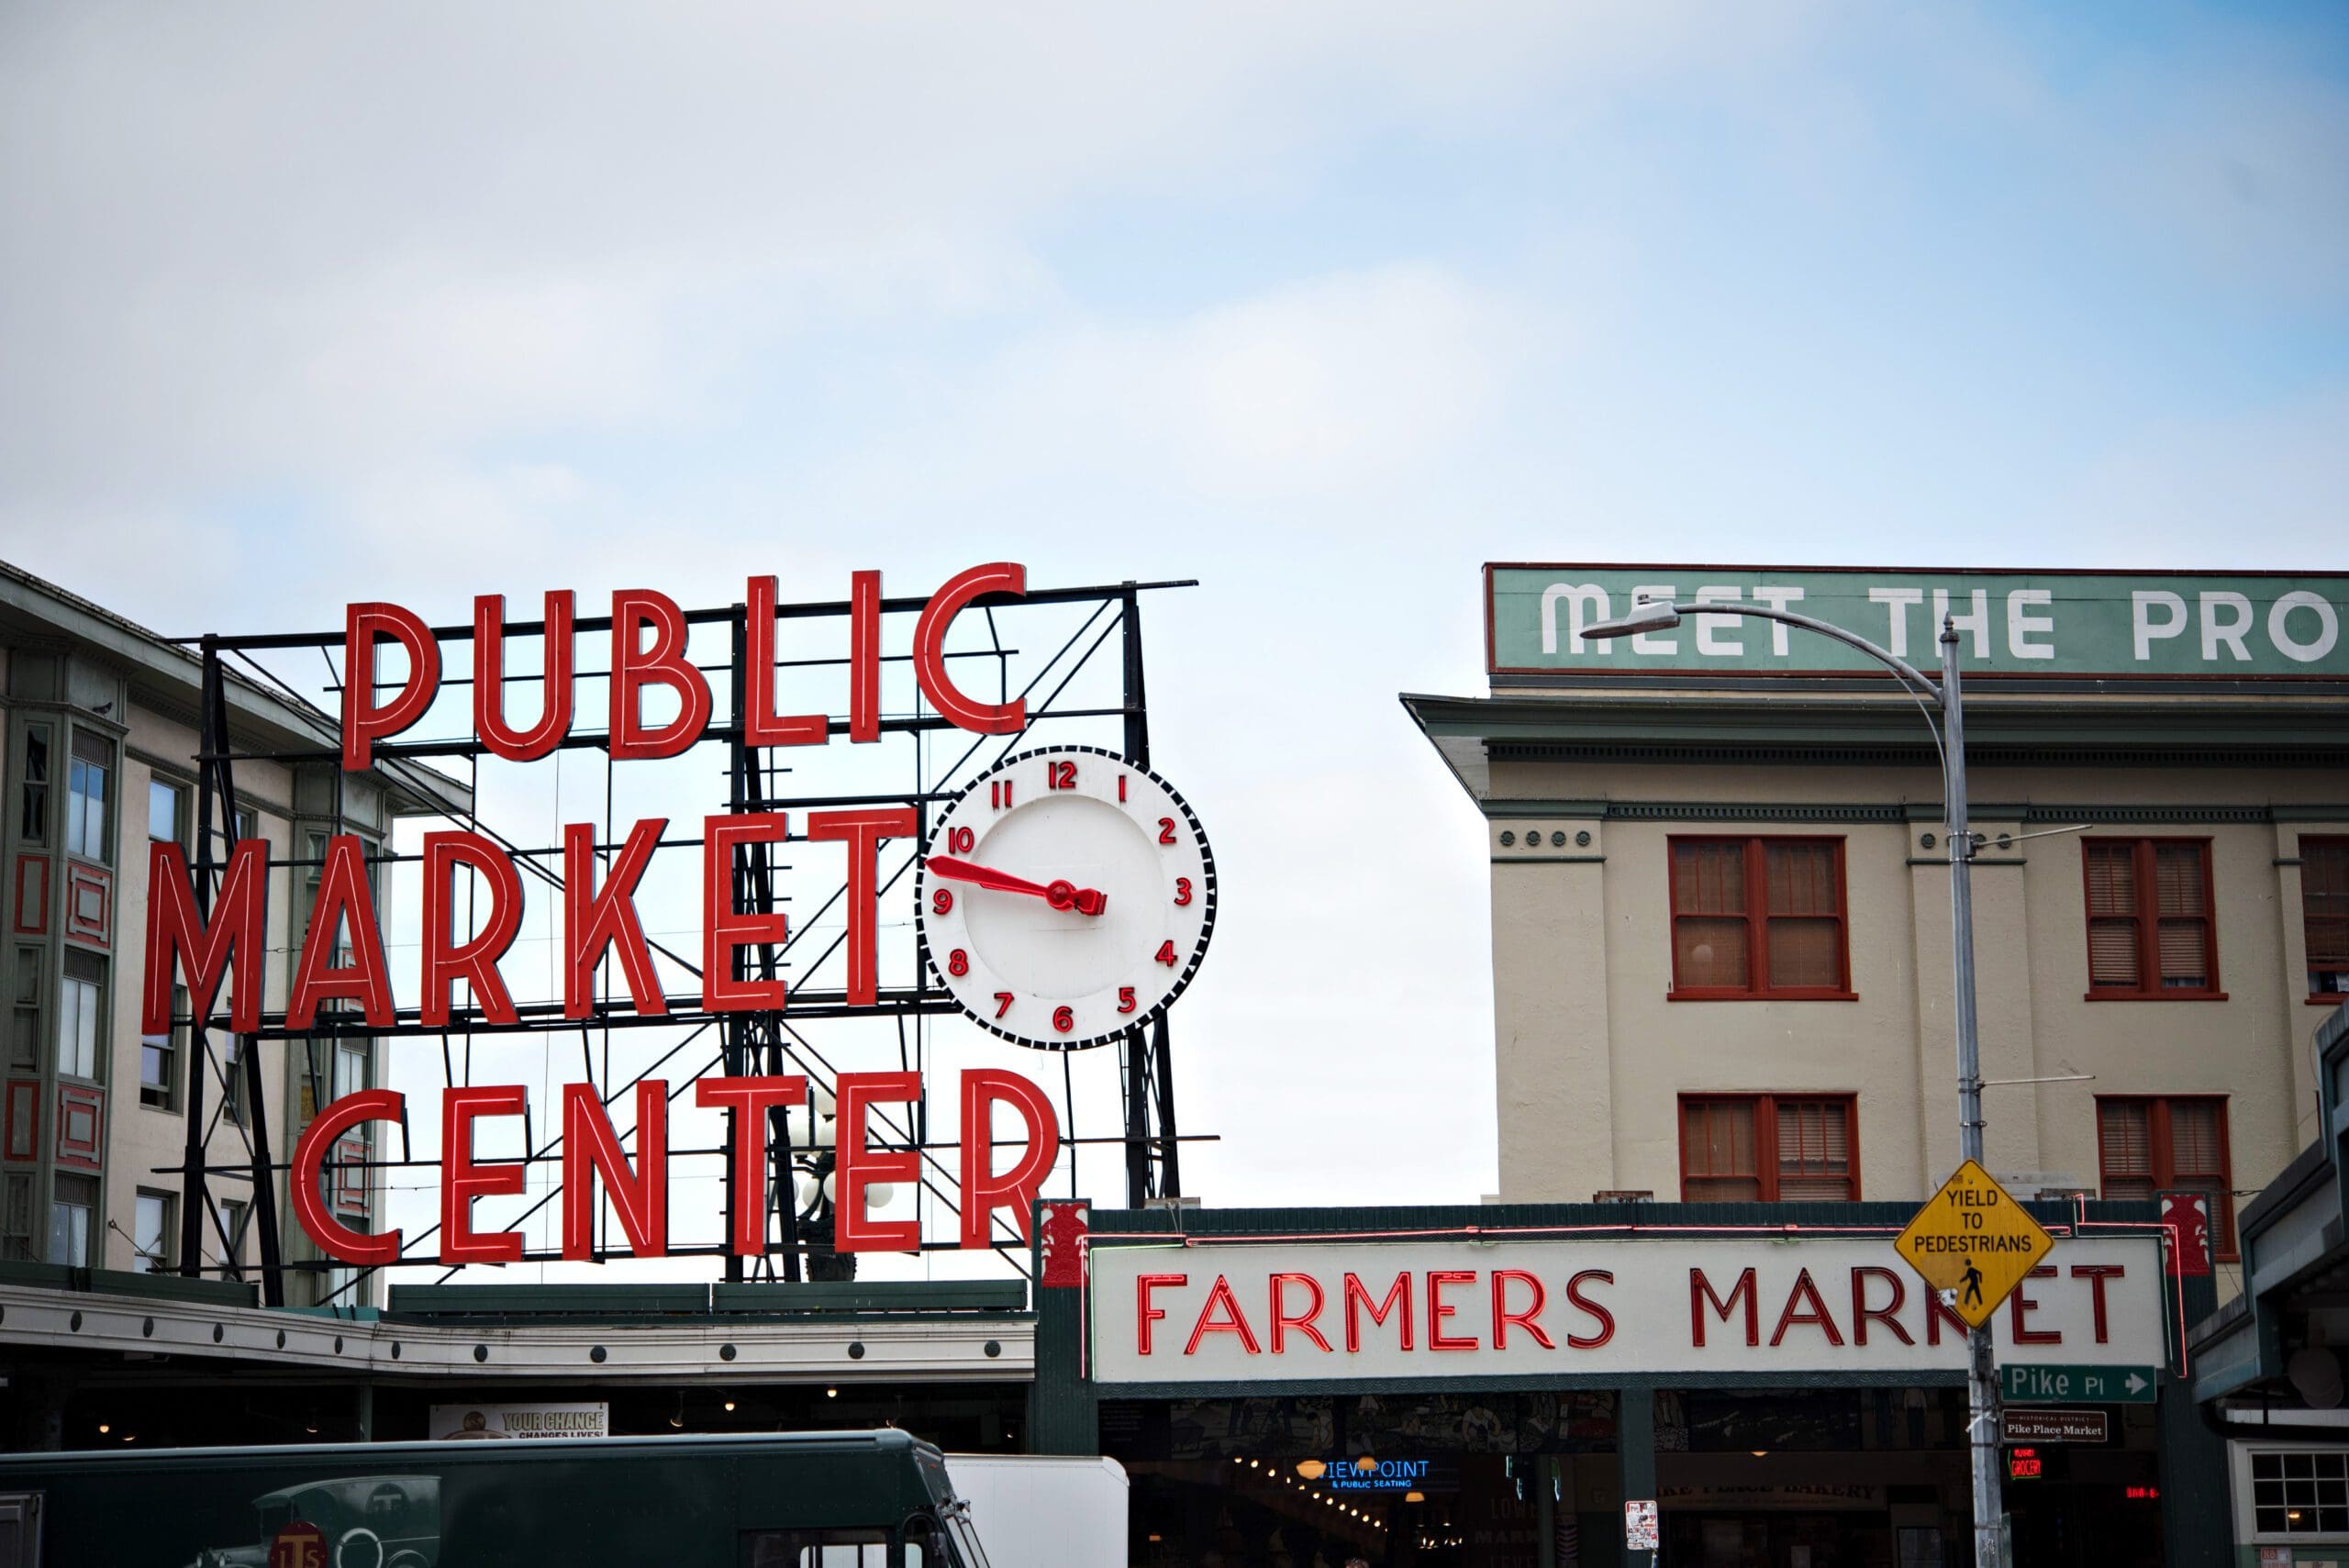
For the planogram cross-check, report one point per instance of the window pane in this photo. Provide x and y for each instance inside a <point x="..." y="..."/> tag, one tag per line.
<point x="33" y="821"/>
<point x="69" y="1220"/>
<point x="2113" y="953"/>
<point x="149" y="1232"/>
<point x="1802" y="877"/>
<point x="1709" y="878"/>
<point x="1806" y="952"/>
<point x="2124" y="1139"/>
<point x="163" y="809"/>
<point x="2184" y="955"/>
<point x="2324" y="905"/>
<point x="2112" y="876"/>
<point x="1710" y="953"/>
<point x="2177" y="879"/>
<point x="1814" y="1150"/>
<point x="1718" y="1137"/>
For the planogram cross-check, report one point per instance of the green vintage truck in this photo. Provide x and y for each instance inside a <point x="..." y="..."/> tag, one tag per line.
<point x="783" y="1500"/>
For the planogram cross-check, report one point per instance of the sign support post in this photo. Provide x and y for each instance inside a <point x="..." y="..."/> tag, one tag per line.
<point x="1981" y="1387"/>
<point x="1981" y="1375"/>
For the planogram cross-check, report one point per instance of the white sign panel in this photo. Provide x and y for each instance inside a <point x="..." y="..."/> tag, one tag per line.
<point x="466" y="1422"/>
<point x="1234" y="1312"/>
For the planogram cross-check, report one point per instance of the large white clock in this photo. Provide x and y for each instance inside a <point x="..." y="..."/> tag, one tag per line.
<point x="1067" y="896"/>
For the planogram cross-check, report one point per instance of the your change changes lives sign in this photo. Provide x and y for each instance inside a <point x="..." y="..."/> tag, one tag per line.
<point x="1234" y="1313"/>
<point x="2019" y="623"/>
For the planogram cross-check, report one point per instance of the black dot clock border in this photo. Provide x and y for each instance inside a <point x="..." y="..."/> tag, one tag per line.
<point x="925" y="882"/>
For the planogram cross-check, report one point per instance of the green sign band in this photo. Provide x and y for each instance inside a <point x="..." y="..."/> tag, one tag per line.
<point x="2024" y="623"/>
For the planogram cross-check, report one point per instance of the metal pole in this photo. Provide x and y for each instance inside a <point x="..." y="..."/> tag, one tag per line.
<point x="1981" y="1375"/>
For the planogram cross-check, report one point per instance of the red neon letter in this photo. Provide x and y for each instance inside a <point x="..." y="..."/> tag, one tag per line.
<point x="591" y="1148"/>
<point x="1437" y="1311"/>
<point x="1599" y="1315"/>
<point x="334" y="1237"/>
<point x="2096" y="1274"/>
<point x="1398" y="1300"/>
<point x="862" y="831"/>
<point x="461" y="1181"/>
<point x="983" y="1192"/>
<point x="1889" y="1314"/>
<point x="473" y="961"/>
<point x="725" y="928"/>
<point x="1284" y="1320"/>
<point x="596" y="918"/>
<point x="489" y="680"/>
<point x="178" y="938"/>
<point x="929" y="651"/>
<point x="363" y="723"/>
<point x="1700" y="1291"/>
<point x="1147" y="1313"/>
<point x="1234" y="1320"/>
<point x="747" y="1101"/>
<point x="343" y="903"/>
<point x="858" y="1164"/>
<point x="2020" y="1305"/>
<point x="635" y="666"/>
<point x="760" y="725"/>
<point x="1504" y="1320"/>
<point x="1806" y="1291"/>
<point x="863" y="656"/>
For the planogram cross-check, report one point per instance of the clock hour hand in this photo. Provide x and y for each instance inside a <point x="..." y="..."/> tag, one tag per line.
<point x="1060" y="894"/>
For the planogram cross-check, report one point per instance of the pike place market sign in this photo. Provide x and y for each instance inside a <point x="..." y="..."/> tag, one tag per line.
<point x="1276" y="1311"/>
<point x="2064" y="624"/>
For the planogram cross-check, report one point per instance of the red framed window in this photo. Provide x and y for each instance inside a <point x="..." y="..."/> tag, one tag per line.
<point x="2324" y="916"/>
<point x="2146" y="1145"/>
<point x="2151" y="933"/>
<point x="1768" y="1148"/>
<point x="1759" y="917"/>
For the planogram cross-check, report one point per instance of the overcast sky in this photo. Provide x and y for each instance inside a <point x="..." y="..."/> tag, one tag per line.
<point x="1322" y="303"/>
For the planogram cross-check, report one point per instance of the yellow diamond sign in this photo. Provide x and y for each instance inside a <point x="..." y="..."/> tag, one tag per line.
<point x="1972" y="1240"/>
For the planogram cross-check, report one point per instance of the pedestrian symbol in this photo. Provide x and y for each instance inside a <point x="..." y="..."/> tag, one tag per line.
<point x="1974" y="1241"/>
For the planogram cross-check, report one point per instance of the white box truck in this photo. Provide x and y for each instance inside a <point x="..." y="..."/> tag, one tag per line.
<point x="1043" y="1510"/>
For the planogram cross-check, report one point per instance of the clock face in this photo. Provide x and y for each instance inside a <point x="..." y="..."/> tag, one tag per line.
<point x="1067" y="897"/>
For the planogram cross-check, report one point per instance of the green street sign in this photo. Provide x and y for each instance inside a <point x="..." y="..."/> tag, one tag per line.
<point x="2020" y="1384"/>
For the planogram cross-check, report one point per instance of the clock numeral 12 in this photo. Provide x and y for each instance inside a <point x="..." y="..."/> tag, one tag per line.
<point x="1059" y="775"/>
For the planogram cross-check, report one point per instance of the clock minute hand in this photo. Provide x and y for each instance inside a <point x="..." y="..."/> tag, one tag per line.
<point x="1060" y="894"/>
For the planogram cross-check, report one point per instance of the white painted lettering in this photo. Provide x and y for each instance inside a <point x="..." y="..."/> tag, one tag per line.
<point x="1710" y="641"/>
<point x="1649" y="641"/>
<point x="1979" y="623"/>
<point x="2142" y="603"/>
<point x="1897" y="602"/>
<point x="2021" y="626"/>
<point x="1582" y="599"/>
<point x="2279" y="627"/>
<point x="2230" y="631"/>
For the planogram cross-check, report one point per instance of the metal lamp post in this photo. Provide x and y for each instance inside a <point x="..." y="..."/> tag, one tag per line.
<point x="1981" y="1376"/>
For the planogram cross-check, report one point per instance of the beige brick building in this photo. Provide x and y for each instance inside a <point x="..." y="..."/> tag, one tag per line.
<point x="1720" y="891"/>
<point x="100" y="723"/>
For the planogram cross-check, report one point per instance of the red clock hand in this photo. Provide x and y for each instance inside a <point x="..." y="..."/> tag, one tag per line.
<point x="1060" y="894"/>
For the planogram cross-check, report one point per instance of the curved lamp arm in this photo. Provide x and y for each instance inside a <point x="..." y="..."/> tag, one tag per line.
<point x="1657" y="615"/>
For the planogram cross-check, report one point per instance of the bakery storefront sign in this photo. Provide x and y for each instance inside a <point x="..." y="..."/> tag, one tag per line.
<point x="1274" y="1311"/>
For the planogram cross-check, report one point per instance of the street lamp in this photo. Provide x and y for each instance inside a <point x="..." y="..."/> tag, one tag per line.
<point x="1980" y="1375"/>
